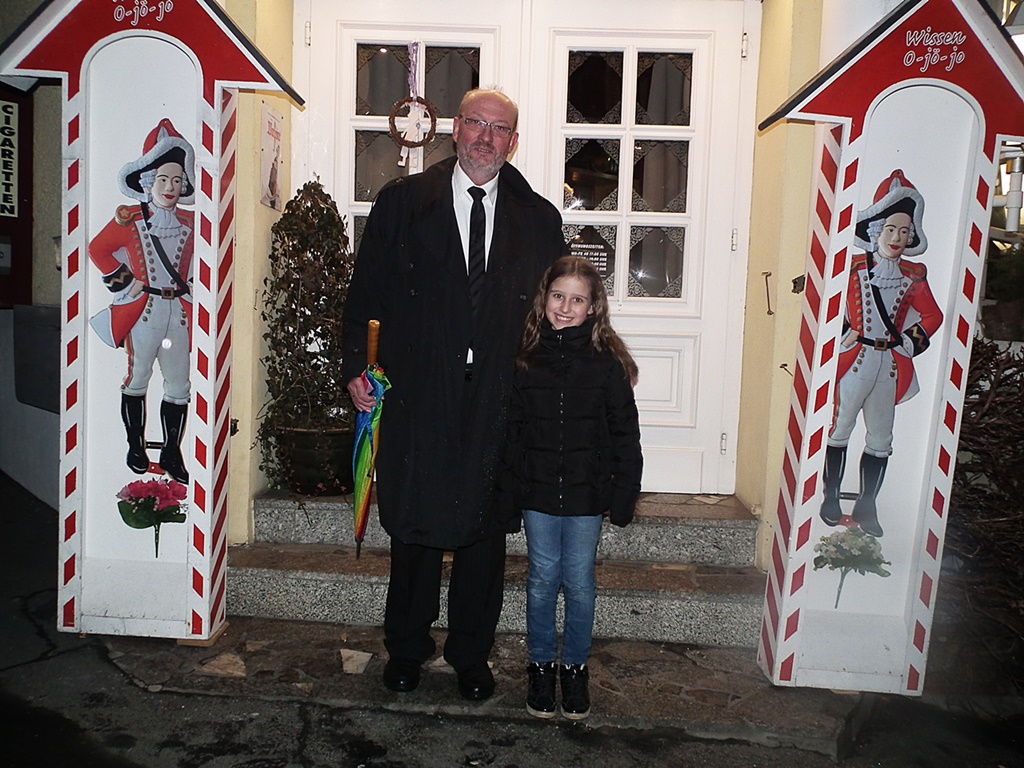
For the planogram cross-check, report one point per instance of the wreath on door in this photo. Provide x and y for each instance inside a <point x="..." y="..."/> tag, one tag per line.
<point x="393" y="115"/>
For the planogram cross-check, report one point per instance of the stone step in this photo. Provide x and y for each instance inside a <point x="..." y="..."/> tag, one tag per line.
<point x="670" y="528"/>
<point x="700" y="604"/>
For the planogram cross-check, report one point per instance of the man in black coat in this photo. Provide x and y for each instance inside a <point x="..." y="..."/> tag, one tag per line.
<point x="448" y="351"/>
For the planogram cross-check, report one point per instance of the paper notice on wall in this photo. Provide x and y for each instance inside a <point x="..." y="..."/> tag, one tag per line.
<point x="270" y="159"/>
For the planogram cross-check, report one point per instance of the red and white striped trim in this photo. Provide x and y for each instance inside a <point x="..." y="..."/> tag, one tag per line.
<point x="211" y="366"/>
<point x="73" y="260"/>
<point x="810" y="403"/>
<point x="960" y="322"/>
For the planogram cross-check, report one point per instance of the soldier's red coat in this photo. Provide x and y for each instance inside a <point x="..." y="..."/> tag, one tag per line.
<point x="120" y="236"/>
<point x="918" y="297"/>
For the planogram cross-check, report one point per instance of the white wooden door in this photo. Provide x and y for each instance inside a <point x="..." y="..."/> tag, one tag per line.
<point x="636" y="119"/>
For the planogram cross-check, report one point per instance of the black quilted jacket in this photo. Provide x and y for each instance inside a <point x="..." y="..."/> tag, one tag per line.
<point x="574" y="432"/>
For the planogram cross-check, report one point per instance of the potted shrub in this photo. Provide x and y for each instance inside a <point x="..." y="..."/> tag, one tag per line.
<point x="307" y="424"/>
<point x="1002" y="304"/>
<point x="1002" y="313"/>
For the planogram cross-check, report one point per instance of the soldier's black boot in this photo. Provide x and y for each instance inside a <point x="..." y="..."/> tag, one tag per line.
<point x="832" y="478"/>
<point x="133" y="414"/>
<point x="172" y="418"/>
<point x="872" y="472"/>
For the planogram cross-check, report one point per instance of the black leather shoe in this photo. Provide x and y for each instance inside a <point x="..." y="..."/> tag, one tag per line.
<point x="476" y="683"/>
<point x="575" y="680"/>
<point x="401" y="675"/>
<point x="540" y="690"/>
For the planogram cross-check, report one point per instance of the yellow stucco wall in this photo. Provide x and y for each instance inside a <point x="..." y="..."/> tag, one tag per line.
<point x="783" y="164"/>
<point x="268" y="23"/>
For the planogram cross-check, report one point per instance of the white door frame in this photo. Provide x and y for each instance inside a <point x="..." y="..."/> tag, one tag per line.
<point x="689" y="351"/>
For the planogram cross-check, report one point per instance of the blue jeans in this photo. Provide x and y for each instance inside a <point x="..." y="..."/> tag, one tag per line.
<point x="561" y="554"/>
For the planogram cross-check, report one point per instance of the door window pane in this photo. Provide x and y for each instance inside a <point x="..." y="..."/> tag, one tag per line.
<point x="356" y="235"/>
<point x="382" y="77"/>
<point x="376" y="163"/>
<point x="663" y="85"/>
<point x="659" y="175"/>
<point x="450" y="73"/>
<point x="595" y="87"/>
<point x="656" y="261"/>
<point x="596" y="244"/>
<point x="439" y="148"/>
<point x="377" y="159"/>
<point x="591" y="174"/>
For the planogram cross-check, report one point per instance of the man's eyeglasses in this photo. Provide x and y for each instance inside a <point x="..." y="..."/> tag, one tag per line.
<point x="479" y="125"/>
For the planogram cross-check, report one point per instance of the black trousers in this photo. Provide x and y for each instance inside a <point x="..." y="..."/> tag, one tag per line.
<point x="475" y="592"/>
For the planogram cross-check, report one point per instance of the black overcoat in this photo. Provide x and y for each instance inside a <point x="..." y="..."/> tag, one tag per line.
<point x="441" y="435"/>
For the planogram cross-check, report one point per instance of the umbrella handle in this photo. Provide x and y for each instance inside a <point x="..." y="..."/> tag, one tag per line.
<point x="372" y="335"/>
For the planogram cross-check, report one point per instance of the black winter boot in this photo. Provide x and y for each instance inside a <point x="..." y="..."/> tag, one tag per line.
<point x="172" y="418"/>
<point x="133" y="414"/>
<point x="540" y="691"/>
<point x="575" y="680"/>
<point x="872" y="472"/>
<point x="832" y="478"/>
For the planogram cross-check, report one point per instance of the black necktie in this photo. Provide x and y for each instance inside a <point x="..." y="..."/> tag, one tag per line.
<point x="477" y="236"/>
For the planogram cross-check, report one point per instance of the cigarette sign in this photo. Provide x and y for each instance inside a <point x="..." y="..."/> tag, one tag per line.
<point x="8" y="159"/>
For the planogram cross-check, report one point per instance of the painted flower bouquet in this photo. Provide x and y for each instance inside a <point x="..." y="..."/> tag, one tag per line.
<point x="850" y="550"/>
<point x="150" y="503"/>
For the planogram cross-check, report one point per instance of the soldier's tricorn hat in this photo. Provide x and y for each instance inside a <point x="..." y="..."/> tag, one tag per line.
<point x="894" y="195"/>
<point x="163" y="145"/>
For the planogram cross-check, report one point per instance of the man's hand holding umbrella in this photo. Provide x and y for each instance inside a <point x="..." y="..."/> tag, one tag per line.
<point x="367" y="393"/>
<point x="362" y="397"/>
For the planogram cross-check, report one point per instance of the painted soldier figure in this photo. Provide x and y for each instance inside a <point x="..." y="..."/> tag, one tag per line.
<point x="145" y="257"/>
<point x="891" y="317"/>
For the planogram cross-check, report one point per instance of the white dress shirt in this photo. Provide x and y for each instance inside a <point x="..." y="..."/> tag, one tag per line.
<point x="464" y="202"/>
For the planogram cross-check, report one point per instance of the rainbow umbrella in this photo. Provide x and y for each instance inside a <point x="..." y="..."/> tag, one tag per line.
<point x="364" y="456"/>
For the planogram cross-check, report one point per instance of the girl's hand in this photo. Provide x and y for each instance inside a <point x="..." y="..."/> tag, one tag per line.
<point x="621" y="517"/>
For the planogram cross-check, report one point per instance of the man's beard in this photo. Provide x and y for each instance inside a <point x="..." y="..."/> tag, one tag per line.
<point x="467" y="160"/>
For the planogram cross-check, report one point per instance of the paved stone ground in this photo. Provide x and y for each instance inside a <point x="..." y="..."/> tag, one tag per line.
<point x="272" y="694"/>
<point x="703" y="691"/>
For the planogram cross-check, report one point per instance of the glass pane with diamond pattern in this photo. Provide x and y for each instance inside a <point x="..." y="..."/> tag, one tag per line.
<point x="660" y="175"/>
<point x="376" y="163"/>
<point x="664" y="83"/>
<point x="656" y="262"/>
<point x="356" y="235"/>
<point x="377" y="158"/>
<point x="437" y="149"/>
<point x="596" y="244"/>
<point x="450" y="72"/>
<point x="595" y="87"/>
<point x="382" y="77"/>
<point x="591" y="175"/>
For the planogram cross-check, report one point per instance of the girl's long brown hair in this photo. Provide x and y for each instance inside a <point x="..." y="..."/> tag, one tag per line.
<point x="603" y="336"/>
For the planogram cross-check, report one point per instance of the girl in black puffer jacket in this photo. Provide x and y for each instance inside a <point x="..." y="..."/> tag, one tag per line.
<point x="573" y="456"/>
